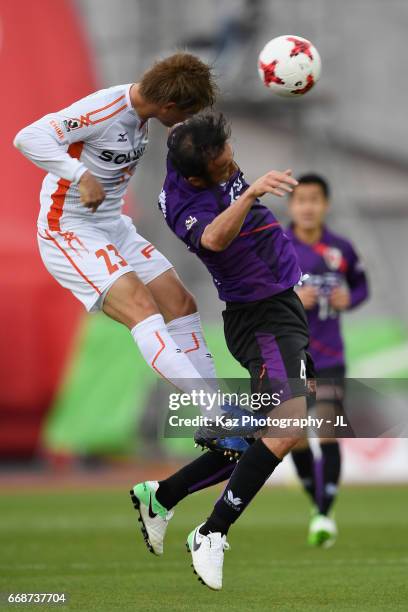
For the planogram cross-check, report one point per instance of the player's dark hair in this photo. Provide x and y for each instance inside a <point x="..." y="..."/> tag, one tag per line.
<point x="315" y="179"/>
<point x="181" y="78"/>
<point x="195" y="142"/>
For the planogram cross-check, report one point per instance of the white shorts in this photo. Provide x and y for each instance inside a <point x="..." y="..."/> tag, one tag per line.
<point x="90" y="258"/>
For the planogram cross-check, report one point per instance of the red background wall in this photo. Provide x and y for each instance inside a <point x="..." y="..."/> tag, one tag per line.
<point x="45" y="65"/>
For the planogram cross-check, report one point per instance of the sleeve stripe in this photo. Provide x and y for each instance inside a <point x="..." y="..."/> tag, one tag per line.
<point x="111" y="115"/>
<point x="103" y="108"/>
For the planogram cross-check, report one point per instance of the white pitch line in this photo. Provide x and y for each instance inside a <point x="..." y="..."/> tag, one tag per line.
<point x="360" y="562"/>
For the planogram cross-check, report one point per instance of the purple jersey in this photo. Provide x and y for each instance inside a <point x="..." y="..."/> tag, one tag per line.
<point x="331" y="262"/>
<point x="259" y="262"/>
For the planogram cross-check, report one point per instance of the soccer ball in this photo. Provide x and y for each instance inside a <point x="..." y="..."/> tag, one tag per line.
<point x="289" y="65"/>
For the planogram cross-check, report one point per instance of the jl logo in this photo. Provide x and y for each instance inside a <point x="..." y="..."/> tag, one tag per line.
<point x="231" y="500"/>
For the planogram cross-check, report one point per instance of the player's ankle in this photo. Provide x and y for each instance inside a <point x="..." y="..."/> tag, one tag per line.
<point x="215" y="524"/>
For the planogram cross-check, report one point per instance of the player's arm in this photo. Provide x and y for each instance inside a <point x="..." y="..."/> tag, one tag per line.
<point x="45" y="141"/>
<point x="357" y="281"/>
<point x="219" y="234"/>
<point x="356" y="292"/>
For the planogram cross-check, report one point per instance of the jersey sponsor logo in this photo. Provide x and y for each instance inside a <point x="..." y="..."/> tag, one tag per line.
<point x="190" y="221"/>
<point x="122" y="158"/>
<point x="57" y="128"/>
<point x="122" y="137"/>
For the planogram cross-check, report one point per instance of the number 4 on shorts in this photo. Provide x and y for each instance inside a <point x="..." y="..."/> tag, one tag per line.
<point x="303" y="371"/>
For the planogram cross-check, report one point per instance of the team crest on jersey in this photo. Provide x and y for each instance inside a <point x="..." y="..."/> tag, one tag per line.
<point x="333" y="258"/>
<point x="72" y="124"/>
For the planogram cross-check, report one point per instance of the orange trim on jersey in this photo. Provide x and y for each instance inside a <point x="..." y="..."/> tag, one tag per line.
<point x="85" y="120"/>
<point x="71" y="261"/>
<point x="196" y="344"/>
<point x="58" y="197"/>
<point x="98" y="110"/>
<point x="259" y="229"/>
<point x="108" y="116"/>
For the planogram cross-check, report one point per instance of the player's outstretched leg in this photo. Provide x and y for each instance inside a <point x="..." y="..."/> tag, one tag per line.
<point x="131" y="303"/>
<point x="179" y="309"/>
<point x="155" y="500"/>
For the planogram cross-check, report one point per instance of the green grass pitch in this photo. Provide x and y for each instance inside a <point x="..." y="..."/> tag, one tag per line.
<point x="88" y="545"/>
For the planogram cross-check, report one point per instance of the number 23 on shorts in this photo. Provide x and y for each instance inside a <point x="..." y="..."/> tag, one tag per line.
<point x="105" y="254"/>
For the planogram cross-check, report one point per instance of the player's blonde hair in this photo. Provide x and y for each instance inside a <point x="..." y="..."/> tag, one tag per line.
<point x="181" y="78"/>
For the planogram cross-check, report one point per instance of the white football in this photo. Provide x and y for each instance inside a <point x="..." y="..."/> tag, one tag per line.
<point x="289" y="65"/>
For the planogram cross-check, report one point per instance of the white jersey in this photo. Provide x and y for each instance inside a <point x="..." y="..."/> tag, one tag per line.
<point x="101" y="133"/>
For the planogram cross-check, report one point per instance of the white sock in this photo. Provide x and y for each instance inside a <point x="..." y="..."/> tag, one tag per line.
<point x="187" y="333"/>
<point x="163" y="355"/>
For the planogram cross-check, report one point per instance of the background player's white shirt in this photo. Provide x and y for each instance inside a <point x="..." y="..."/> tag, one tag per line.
<point x="101" y="133"/>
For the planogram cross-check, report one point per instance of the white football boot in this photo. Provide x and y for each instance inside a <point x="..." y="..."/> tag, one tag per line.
<point x="207" y="552"/>
<point x="154" y="517"/>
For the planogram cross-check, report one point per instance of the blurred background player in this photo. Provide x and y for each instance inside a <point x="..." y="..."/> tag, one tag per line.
<point x="335" y="282"/>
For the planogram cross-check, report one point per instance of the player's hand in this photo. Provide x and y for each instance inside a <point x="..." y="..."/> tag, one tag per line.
<point x="308" y="296"/>
<point x="91" y="191"/>
<point x="340" y="298"/>
<point x="277" y="183"/>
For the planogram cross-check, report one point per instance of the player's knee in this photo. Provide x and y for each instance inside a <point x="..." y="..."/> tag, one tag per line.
<point x="142" y="302"/>
<point x="138" y="305"/>
<point x="188" y="305"/>
<point x="281" y="446"/>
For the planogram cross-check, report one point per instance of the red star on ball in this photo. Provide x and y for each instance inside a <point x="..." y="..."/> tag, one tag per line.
<point x="309" y="84"/>
<point x="269" y="73"/>
<point x="300" y="46"/>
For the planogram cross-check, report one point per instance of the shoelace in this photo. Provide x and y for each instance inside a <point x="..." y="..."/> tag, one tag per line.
<point x="224" y="543"/>
<point x="217" y="554"/>
<point x="169" y="515"/>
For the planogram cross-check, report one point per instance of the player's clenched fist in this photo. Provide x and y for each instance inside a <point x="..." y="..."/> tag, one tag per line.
<point x="277" y="183"/>
<point x="91" y="191"/>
